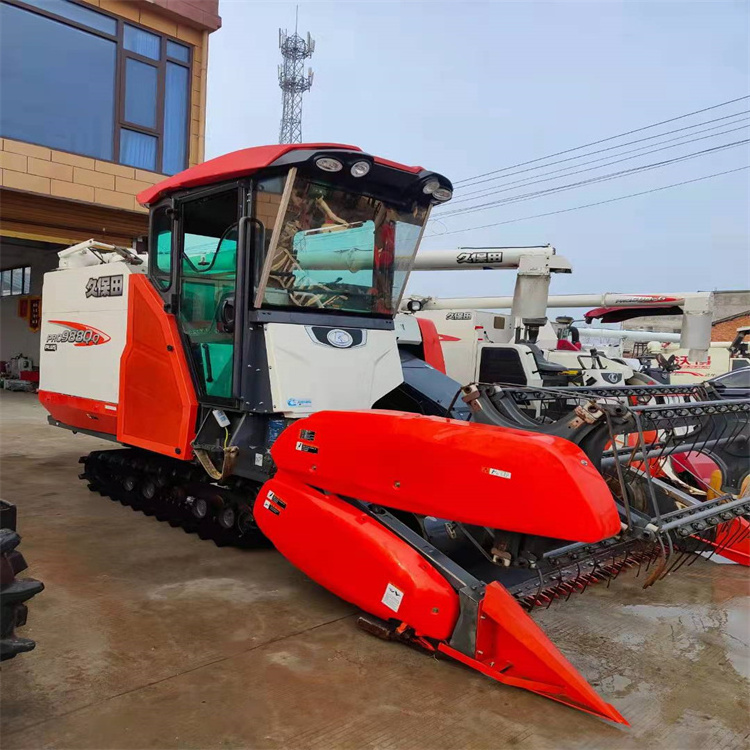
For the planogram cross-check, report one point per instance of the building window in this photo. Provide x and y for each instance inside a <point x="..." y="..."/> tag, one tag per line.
<point x="15" y="281"/>
<point x="90" y="83"/>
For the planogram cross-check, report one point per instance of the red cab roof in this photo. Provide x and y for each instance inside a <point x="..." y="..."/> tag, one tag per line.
<point x="240" y="164"/>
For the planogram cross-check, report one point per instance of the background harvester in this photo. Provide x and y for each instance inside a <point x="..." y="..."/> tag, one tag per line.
<point x="521" y="348"/>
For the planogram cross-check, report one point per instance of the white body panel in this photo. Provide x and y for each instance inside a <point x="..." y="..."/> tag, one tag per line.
<point x="624" y="333"/>
<point x="463" y="332"/>
<point x="458" y="340"/>
<point x="718" y="362"/>
<point x="592" y="366"/>
<point x="69" y="365"/>
<point x="308" y="376"/>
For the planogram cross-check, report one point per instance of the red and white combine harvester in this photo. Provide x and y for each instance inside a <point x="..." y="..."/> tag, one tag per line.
<point x="521" y="347"/>
<point x="251" y="369"/>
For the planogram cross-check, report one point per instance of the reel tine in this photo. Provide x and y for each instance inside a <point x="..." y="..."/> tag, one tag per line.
<point x="656" y="573"/>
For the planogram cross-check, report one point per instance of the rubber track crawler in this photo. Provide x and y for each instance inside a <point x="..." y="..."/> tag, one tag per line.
<point x="177" y="493"/>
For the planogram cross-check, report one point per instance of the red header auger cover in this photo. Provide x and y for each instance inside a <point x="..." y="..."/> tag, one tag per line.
<point x="489" y="476"/>
<point x="467" y="472"/>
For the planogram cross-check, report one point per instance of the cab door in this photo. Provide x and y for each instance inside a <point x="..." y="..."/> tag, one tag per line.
<point x="207" y="287"/>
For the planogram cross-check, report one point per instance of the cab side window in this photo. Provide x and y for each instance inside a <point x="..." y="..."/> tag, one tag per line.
<point x="161" y="247"/>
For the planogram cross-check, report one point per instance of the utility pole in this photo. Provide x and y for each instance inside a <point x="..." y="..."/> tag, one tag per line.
<point x="293" y="81"/>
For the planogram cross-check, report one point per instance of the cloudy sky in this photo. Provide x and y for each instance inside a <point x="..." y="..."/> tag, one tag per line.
<point x="468" y="88"/>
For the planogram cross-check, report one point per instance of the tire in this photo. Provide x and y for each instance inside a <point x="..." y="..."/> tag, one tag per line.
<point x="14" y="592"/>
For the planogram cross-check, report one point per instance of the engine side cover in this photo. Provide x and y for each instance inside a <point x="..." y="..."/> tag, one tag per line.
<point x="84" y="327"/>
<point x="324" y="367"/>
<point x="473" y="473"/>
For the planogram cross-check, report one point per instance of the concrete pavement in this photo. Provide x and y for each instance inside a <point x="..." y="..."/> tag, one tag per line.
<point x="150" y="638"/>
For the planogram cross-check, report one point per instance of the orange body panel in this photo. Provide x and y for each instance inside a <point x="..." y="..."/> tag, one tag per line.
<point x="75" y="411"/>
<point x="158" y="406"/>
<point x="473" y="473"/>
<point x="733" y="541"/>
<point x="433" y="351"/>
<point x="512" y="649"/>
<point x="355" y="557"/>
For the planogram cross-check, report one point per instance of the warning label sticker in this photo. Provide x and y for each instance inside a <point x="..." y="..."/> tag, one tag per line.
<point x="499" y="473"/>
<point x="268" y="505"/>
<point x="392" y="597"/>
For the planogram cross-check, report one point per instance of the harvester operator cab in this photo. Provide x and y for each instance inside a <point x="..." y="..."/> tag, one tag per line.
<point x="284" y="267"/>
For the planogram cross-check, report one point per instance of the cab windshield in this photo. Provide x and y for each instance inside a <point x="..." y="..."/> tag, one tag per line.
<point x="339" y="250"/>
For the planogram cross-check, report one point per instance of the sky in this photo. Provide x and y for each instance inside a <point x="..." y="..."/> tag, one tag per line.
<point x="464" y="88"/>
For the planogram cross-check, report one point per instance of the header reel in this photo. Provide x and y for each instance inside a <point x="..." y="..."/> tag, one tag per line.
<point x="677" y="463"/>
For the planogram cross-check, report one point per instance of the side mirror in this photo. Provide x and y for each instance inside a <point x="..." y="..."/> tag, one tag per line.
<point x="225" y="322"/>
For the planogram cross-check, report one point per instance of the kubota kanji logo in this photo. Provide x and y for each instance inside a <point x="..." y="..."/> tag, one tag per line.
<point x="78" y="334"/>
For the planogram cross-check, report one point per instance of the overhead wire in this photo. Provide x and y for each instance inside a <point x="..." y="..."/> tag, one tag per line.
<point x="604" y="150"/>
<point x="600" y="178"/>
<point x="536" y="178"/>
<point x="604" y="140"/>
<point x="590" y="205"/>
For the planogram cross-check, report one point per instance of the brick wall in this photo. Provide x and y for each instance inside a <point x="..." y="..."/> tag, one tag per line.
<point x="726" y="330"/>
<point x="201" y="13"/>
<point x="267" y="208"/>
<point x="36" y="169"/>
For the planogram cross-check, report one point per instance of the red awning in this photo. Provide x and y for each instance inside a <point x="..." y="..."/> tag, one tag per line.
<point x="628" y="312"/>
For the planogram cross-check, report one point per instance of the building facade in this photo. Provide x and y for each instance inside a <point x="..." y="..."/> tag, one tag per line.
<point x="98" y="100"/>
<point x="725" y="329"/>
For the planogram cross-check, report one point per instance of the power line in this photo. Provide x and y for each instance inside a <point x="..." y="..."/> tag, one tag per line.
<point x="604" y="150"/>
<point x="604" y="140"/>
<point x="589" y="205"/>
<point x="501" y="188"/>
<point x="601" y="178"/>
<point x="689" y="136"/>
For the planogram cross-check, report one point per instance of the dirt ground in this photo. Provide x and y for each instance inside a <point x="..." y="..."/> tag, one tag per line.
<point x="150" y="638"/>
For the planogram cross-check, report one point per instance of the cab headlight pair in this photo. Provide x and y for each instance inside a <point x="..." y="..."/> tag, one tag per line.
<point x="329" y="164"/>
<point x="432" y="187"/>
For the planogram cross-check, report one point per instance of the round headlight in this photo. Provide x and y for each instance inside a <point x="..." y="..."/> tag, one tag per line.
<point x="329" y="164"/>
<point x="360" y="168"/>
<point x="430" y="187"/>
<point x="442" y="194"/>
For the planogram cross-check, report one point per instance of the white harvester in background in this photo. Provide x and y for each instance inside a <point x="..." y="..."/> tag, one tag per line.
<point x="522" y="347"/>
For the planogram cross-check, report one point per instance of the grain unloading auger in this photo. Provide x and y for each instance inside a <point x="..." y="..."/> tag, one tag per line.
<point x="238" y="364"/>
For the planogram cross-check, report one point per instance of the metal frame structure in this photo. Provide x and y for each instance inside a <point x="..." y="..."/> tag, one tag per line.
<point x="293" y="82"/>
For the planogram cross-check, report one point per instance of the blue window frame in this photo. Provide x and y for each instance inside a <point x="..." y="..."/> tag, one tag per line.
<point x="90" y="83"/>
<point x="41" y="97"/>
<point x="176" y="103"/>
<point x="178" y="52"/>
